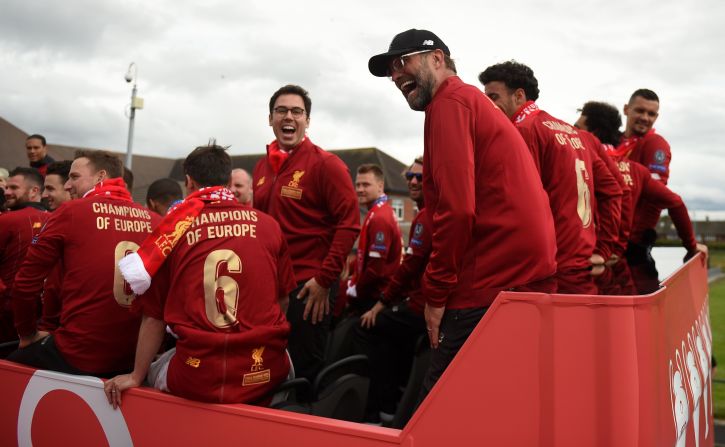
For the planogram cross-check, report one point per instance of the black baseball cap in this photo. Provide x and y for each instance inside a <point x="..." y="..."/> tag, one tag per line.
<point x="406" y="42"/>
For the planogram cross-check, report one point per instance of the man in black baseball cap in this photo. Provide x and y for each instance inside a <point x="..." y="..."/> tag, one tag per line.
<point x="409" y="63"/>
<point x="407" y="43"/>
<point x="485" y="238"/>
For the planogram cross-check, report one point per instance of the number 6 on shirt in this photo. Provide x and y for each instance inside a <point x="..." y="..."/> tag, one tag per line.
<point x="584" y="200"/>
<point x="121" y="290"/>
<point x="221" y="293"/>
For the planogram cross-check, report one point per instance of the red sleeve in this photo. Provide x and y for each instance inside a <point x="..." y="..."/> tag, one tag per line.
<point x="40" y="259"/>
<point x="285" y="276"/>
<point x="343" y="206"/>
<point x="660" y="195"/>
<point x="414" y="262"/>
<point x="451" y="168"/>
<point x="380" y="240"/>
<point x="609" y="206"/>
<point x="682" y="223"/>
<point x="656" y="156"/>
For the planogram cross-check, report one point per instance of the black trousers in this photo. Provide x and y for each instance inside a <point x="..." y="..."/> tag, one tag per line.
<point x="390" y="346"/>
<point x="456" y="326"/>
<point x="307" y="341"/>
<point x="44" y="354"/>
<point x="643" y="268"/>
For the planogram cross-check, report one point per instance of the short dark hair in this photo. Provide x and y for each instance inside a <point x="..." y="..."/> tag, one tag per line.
<point x="291" y="89"/>
<point x="31" y="175"/>
<point x="102" y="160"/>
<point x="603" y="120"/>
<point x="128" y="178"/>
<point x="37" y="136"/>
<point x="164" y="191"/>
<point x="209" y="165"/>
<point x="645" y="93"/>
<point x="376" y="170"/>
<point x="59" y="168"/>
<point x="515" y="75"/>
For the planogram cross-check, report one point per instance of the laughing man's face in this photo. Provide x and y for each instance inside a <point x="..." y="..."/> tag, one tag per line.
<point x="288" y="129"/>
<point x="415" y="80"/>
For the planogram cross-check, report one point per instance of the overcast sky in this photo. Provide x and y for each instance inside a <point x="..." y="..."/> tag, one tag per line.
<point x="208" y="71"/>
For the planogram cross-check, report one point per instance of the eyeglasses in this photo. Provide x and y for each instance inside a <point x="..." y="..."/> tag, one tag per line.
<point x="398" y="63"/>
<point x="418" y="176"/>
<point x="297" y="112"/>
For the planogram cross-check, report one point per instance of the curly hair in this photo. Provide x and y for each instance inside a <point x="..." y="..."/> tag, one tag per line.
<point x="603" y="120"/>
<point x="514" y="75"/>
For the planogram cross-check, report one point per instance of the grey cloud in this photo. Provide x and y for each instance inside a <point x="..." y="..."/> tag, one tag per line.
<point x="208" y="69"/>
<point x="72" y="28"/>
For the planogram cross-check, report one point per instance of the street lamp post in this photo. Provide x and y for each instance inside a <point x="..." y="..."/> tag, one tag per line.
<point x="136" y="103"/>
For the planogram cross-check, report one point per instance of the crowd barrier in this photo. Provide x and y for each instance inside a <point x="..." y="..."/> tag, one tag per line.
<point x="539" y="370"/>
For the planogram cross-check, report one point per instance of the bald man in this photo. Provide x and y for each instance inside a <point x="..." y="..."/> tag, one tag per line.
<point x="241" y="186"/>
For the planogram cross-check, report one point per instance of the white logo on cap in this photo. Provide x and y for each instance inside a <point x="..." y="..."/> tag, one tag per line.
<point x="427" y="42"/>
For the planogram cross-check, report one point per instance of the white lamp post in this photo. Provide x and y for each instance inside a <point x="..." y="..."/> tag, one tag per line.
<point x="136" y="103"/>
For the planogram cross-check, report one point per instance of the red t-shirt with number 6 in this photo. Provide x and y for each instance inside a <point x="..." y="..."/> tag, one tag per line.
<point x="219" y="292"/>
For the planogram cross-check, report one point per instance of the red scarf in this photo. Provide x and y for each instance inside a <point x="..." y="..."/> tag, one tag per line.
<point x="627" y="145"/>
<point x="362" y="245"/>
<point x="114" y="188"/>
<point x="528" y="109"/>
<point x="611" y="151"/>
<point x="277" y="156"/>
<point x="138" y="268"/>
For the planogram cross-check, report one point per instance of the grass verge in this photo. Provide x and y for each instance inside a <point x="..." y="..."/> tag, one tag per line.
<point x="717" y="321"/>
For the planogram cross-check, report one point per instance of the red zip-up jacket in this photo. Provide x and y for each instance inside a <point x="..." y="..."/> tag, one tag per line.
<point x="492" y="228"/>
<point x="653" y="152"/>
<point x="381" y="256"/>
<point x="313" y="200"/>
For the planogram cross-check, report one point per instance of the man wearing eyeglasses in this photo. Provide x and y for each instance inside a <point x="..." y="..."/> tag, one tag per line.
<point x="310" y="193"/>
<point x="490" y="219"/>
